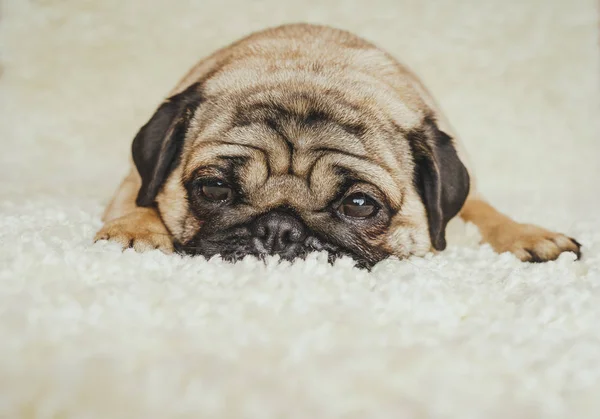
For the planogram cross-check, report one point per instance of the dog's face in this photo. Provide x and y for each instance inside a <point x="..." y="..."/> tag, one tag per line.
<point x="295" y="170"/>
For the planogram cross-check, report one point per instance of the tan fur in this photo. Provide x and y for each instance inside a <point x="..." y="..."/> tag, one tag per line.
<point x="130" y="225"/>
<point x="141" y="229"/>
<point x="528" y="242"/>
<point x="352" y="78"/>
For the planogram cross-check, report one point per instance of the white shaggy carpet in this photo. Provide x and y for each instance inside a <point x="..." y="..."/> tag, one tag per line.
<point x="89" y="332"/>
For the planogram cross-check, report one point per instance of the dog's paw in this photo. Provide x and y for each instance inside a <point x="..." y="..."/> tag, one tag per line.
<point x="143" y="230"/>
<point x="531" y="243"/>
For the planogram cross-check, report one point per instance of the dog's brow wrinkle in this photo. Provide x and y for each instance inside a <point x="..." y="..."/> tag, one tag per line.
<point x="327" y="151"/>
<point x="237" y="144"/>
<point x="336" y="150"/>
<point x="276" y="126"/>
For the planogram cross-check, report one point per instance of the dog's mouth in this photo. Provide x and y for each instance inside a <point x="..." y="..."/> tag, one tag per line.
<point x="238" y="247"/>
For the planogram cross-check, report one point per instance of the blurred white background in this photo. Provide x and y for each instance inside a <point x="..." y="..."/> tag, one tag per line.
<point x="518" y="79"/>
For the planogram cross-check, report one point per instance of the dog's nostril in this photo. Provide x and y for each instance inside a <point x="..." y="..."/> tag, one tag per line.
<point x="282" y="241"/>
<point x="286" y="237"/>
<point x="291" y="234"/>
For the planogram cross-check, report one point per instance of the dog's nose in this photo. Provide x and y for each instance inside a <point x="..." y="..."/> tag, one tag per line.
<point x="278" y="232"/>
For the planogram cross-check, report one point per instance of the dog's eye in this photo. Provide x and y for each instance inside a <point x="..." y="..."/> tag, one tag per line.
<point x="358" y="205"/>
<point x="216" y="190"/>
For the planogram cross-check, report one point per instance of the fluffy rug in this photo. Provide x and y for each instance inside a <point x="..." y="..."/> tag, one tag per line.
<point x="87" y="331"/>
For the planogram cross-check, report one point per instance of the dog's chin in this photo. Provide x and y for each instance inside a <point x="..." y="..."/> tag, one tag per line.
<point x="235" y="250"/>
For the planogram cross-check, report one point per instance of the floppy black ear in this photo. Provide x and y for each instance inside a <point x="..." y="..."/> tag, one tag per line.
<point x="157" y="146"/>
<point x="440" y="177"/>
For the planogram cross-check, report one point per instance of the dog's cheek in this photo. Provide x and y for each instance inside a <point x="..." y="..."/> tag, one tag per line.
<point x="408" y="233"/>
<point x="404" y="241"/>
<point x="173" y="206"/>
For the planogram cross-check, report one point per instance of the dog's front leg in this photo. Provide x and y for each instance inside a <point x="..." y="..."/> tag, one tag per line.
<point x="132" y="226"/>
<point x="528" y="242"/>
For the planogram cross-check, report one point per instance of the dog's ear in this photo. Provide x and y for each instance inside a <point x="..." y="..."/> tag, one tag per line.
<point x="439" y="176"/>
<point x="157" y="146"/>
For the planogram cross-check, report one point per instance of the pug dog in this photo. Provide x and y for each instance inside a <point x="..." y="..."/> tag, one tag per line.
<point x="305" y="138"/>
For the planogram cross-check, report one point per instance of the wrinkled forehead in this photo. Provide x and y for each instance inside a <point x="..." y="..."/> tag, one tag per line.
<point x="297" y="152"/>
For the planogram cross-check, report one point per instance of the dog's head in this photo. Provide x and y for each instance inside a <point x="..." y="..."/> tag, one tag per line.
<point x="297" y="169"/>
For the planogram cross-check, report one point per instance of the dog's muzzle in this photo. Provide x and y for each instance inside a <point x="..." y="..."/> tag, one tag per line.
<point x="277" y="232"/>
